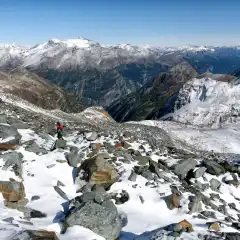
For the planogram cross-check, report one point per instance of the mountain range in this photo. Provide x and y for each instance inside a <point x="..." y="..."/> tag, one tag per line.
<point x="173" y="176"/>
<point x="100" y="75"/>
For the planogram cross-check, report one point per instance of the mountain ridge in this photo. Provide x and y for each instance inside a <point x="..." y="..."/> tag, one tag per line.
<point x="102" y="74"/>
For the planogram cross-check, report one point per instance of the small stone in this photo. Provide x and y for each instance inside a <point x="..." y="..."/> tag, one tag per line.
<point x="12" y="191"/>
<point x="8" y="220"/>
<point x="95" y="146"/>
<point x="172" y="201"/>
<point x="133" y="176"/>
<point x="208" y="214"/>
<point x="199" y="172"/>
<point x="34" y="198"/>
<point x="35" y="234"/>
<point x="141" y="199"/>
<point x="61" y="161"/>
<point x="92" y="136"/>
<point x="223" y="209"/>
<point x="118" y="145"/>
<point x="142" y="160"/>
<point x="51" y="165"/>
<point x="187" y="226"/>
<point x="236" y="225"/>
<point x="214" y="227"/>
<point x="215" y="184"/>
<point x="126" y="144"/>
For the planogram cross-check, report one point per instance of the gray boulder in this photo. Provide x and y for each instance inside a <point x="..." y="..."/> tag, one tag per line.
<point x="3" y="118"/>
<point x="183" y="167"/>
<point x="215" y="184"/>
<point x="92" y="136"/>
<point x="14" y="160"/>
<point x="73" y="158"/>
<point x="33" y="147"/>
<point x="195" y="204"/>
<point x="214" y="168"/>
<point x="199" y="172"/>
<point x="103" y="219"/>
<point x="9" y="134"/>
<point x="61" y="143"/>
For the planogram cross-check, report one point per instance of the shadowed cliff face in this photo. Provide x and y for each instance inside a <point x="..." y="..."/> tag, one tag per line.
<point x="154" y="99"/>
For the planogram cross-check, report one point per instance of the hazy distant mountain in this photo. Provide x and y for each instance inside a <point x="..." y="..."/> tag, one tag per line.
<point x="103" y="74"/>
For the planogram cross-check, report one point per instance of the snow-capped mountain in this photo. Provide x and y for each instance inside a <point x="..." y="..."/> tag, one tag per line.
<point x="208" y="102"/>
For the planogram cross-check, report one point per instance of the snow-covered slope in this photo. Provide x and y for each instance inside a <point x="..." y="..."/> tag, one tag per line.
<point x="207" y="102"/>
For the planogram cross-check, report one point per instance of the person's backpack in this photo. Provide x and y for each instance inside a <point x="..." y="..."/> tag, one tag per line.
<point x="60" y="131"/>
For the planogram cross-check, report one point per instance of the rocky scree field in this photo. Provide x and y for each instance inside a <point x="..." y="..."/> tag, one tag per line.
<point x="110" y="181"/>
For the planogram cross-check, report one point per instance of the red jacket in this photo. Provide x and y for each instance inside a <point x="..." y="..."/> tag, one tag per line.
<point x="60" y="127"/>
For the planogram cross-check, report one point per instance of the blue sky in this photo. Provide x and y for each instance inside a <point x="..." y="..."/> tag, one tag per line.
<point x="154" y="22"/>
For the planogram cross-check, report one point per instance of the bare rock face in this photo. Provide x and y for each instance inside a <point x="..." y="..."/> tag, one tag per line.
<point x="12" y="191"/>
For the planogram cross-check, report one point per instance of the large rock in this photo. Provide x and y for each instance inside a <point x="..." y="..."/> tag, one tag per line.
<point x="12" y="191"/>
<point x="91" y="136"/>
<point x="99" y="170"/>
<point x="14" y="160"/>
<point x="61" y="143"/>
<point x="35" y="235"/>
<point x="33" y="147"/>
<point x="9" y="134"/>
<point x="102" y="219"/>
<point x="73" y="158"/>
<point x="183" y="167"/>
<point x="213" y="167"/>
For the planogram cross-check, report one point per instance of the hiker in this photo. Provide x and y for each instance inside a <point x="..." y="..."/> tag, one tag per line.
<point x="60" y="130"/>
